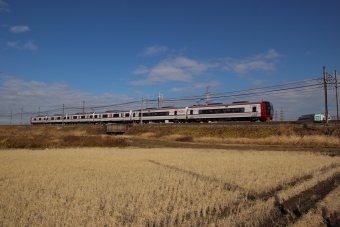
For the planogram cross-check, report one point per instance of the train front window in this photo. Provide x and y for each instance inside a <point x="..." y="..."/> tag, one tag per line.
<point x="269" y="108"/>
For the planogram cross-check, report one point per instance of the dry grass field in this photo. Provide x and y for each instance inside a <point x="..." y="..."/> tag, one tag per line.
<point x="79" y="176"/>
<point x="282" y="135"/>
<point x="166" y="187"/>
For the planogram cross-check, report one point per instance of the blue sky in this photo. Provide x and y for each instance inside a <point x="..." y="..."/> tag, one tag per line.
<point x="109" y="52"/>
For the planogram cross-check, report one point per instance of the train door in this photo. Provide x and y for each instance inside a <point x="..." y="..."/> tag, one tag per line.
<point x="254" y="111"/>
<point x="191" y="114"/>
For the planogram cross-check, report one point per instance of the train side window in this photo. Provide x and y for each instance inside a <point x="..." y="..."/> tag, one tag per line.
<point x="134" y="114"/>
<point x="175" y="113"/>
<point x="191" y="112"/>
<point x="126" y="114"/>
<point x="254" y="108"/>
<point x="74" y="117"/>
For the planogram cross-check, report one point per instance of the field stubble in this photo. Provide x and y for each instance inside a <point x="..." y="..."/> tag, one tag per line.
<point x="91" y="186"/>
<point x="153" y="187"/>
<point x="283" y="135"/>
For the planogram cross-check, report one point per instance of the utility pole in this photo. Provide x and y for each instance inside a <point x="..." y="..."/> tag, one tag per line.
<point x="207" y="92"/>
<point x="21" y="117"/>
<point x="63" y="116"/>
<point x="337" y="96"/>
<point x="141" y="110"/>
<point x="83" y="107"/>
<point x="281" y="115"/>
<point x="325" y="88"/>
<point x="158" y="99"/>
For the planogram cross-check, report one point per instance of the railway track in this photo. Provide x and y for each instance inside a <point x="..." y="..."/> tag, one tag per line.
<point x="305" y="124"/>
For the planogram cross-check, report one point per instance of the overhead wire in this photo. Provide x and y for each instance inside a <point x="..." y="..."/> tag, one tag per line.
<point x="304" y="85"/>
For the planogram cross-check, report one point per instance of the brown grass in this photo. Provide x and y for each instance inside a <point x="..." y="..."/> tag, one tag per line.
<point x="283" y="135"/>
<point x="42" y="137"/>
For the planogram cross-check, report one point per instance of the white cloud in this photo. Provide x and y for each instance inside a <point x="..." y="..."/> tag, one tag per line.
<point x="141" y="70"/>
<point x="265" y="62"/>
<point x="27" y="46"/>
<point x="19" y="29"/>
<point x="173" y="69"/>
<point x="12" y="44"/>
<point x="149" y="51"/>
<point x="30" y="46"/>
<point x="196" y="86"/>
<point x="177" y="89"/>
<point x="3" y="6"/>
<point x="30" y="95"/>
<point x="184" y="69"/>
<point x="258" y="82"/>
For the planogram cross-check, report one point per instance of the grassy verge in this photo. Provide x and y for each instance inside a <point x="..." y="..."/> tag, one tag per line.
<point x="42" y="137"/>
<point x="283" y="135"/>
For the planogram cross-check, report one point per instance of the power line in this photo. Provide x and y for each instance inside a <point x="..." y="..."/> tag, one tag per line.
<point x="301" y="86"/>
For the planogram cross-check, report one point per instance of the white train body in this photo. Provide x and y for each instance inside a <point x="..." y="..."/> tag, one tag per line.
<point x="241" y="111"/>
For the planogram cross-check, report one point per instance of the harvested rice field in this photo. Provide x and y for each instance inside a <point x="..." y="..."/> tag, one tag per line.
<point x="168" y="187"/>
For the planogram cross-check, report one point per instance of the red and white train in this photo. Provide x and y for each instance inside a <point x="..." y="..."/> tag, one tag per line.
<point x="236" y="111"/>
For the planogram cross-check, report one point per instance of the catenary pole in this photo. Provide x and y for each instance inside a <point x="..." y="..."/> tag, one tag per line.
<point x="141" y="110"/>
<point x="63" y="115"/>
<point x="158" y="99"/>
<point x="325" y="88"/>
<point x="337" y="96"/>
<point x="21" y="117"/>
